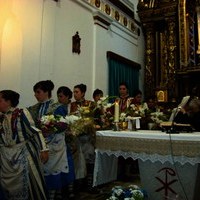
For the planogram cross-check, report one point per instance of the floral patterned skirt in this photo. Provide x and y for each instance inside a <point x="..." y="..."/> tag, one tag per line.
<point x="21" y="173"/>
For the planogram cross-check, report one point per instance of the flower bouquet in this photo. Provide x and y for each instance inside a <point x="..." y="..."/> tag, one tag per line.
<point x="52" y="124"/>
<point x="132" y="192"/>
<point x="158" y="117"/>
<point x="154" y="119"/>
<point x="107" y="111"/>
<point x="82" y="126"/>
<point x="85" y="111"/>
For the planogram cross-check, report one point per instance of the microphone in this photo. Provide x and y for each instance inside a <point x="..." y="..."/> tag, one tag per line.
<point x="173" y="127"/>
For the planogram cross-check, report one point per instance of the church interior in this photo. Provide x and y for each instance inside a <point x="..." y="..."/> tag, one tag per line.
<point x="151" y="45"/>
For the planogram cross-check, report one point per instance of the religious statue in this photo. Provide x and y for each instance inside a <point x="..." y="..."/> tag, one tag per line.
<point x="76" y="43"/>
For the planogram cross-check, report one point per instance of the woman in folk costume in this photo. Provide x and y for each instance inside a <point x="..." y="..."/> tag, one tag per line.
<point x="124" y="99"/>
<point x="64" y="95"/>
<point x="21" y="148"/>
<point x="98" y="112"/>
<point x="137" y="101"/>
<point x="79" y="96"/>
<point x="56" y="169"/>
<point x="85" y="154"/>
<point x="140" y="108"/>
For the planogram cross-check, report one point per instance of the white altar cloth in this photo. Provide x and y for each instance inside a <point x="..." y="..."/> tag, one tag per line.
<point x="147" y="146"/>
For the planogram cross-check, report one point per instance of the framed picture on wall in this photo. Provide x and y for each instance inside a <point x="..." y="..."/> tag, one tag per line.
<point x="161" y="95"/>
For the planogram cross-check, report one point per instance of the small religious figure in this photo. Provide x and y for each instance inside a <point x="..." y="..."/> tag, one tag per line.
<point x="76" y="43"/>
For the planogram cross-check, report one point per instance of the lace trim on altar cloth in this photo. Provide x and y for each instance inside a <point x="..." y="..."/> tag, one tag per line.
<point x="151" y="157"/>
<point x="181" y="148"/>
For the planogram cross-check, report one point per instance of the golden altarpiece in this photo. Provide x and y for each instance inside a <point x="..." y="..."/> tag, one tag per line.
<point x="171" y="45"/>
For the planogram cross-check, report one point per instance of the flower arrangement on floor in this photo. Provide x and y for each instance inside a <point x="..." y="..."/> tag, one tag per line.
<point x="132" y="192"/>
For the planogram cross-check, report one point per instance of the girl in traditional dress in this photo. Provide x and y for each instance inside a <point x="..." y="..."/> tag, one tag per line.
<point x="98" y="112"/>
<point x="56" y="169"/>
<point x="141" y="107"/>
<point x="124" y="99"/>
<point x="137" y="101"/>
<point x="64" y="95"/>
<point x="79" y="96"/>
<point x="83" y="164"/>
<point x="97" y="94"/>
<point x="21" y="146"/>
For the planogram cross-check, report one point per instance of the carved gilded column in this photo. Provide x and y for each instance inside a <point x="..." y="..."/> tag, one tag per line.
<point x="171" y="55"/>
<point x="198" y="25"/>
<point x="149" y="52"/>
<point x="164" y="60"/>
<point x="183" y="35"/>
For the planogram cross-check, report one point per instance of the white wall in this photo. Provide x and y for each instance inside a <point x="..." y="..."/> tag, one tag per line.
<point x="109" y="40"/>
<point x="36" y="44"/>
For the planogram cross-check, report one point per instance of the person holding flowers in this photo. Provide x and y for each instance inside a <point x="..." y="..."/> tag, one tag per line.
<point x="85" y="155"/>
<point x="140" y="108"/>
<point x="98" y="111"/>
<point x="22" y="148"/>
<point x="64" y="95"/>
<point x="80" y="101"/>
<point x="137" y="101"/>
<point x="97" y="95"/>
<point x="56" y="169"/>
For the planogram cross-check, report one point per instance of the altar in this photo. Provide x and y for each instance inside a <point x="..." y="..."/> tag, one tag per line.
<point x="168" y="163"/>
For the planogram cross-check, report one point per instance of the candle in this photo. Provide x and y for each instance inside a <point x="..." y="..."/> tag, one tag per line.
<point x="116" y="113"/>
<point x="138" y="123"/>
<point x="129" y="124"/>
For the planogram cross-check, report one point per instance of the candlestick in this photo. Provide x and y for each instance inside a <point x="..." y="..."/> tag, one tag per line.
<point x="116" y="113"/>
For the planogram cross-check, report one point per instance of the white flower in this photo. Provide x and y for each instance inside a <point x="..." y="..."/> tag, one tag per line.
<point x="118" y="192"/>
<point x="157" y="114"/>
<point x="122" y="116"/>
<point x="134" y="187"/>
<point x="71" y="119"/>
<point x="99" y="103"/>
<point x="108" y="105"/>
<point x="103" y="101"/>
<point x="62" y="119"/>
<point x="46" y="119"/>
<point x="137" y="193"/>
<point x="143" y="108"/>
<point x="113" y="198"/>
<point x="104" y="98"/>
<point x="133" y="106"/>
<point x="156" y="117"/>
<point x="129" y="101"/>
